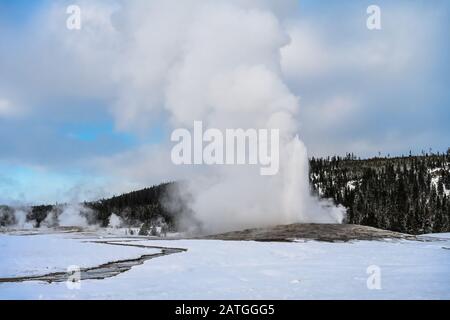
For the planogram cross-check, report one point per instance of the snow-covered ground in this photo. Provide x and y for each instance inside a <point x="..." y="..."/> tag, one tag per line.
<point x="235" y="270"/>
<point x="41" y="254"/>
<point x="442" y="236"/>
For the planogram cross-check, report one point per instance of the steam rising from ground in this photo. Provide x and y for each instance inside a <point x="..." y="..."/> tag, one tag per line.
<point x="213" y="61"/>
<point x="115" y="221"/>
<point x="67" y="215"/>
<point x="225" y="69"/>
<point x="21" y="222"/>
<point x="74" y="215"/>
<point x="218" y="62"/>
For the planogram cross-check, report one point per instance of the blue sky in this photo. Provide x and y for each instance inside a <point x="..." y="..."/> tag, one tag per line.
<point x="58" y="115"/>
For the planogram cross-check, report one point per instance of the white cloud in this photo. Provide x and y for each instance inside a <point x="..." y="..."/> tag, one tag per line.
<point x="334" y="113"/>
<point x="305" y="55"/>
<point x="347" y="76"/>
<point x="8" y="110"/>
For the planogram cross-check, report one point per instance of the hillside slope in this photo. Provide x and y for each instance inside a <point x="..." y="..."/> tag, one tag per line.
<point x="404" y="194"/>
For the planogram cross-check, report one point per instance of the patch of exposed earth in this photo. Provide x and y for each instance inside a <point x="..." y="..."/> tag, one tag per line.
<point x="318" y="232"/>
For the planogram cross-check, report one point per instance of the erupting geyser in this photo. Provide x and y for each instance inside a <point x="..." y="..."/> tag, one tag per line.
<point x="218" y="62"/>
<point x="228" y="75"/>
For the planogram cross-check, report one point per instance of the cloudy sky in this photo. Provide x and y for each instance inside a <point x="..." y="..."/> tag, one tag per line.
<point x="88" y="113"/>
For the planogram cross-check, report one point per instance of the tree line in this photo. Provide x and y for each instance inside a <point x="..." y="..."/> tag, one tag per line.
<point x="409" y="194"/>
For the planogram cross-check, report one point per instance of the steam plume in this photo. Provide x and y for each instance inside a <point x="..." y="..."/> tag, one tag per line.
<point x="224" y="69"/>
<point x="216" y="61"/>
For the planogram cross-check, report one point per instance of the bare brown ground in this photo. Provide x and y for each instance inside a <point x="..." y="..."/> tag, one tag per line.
<point x="319" y="232"/>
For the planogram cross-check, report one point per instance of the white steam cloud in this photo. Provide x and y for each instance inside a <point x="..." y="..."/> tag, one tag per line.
<point x="220" y="62"/>
<point x="115" y="221"/>
<point x="21" y="222"/>
<point x="213" y="61"/>
<point x="66" y="215"/>
<point x="74" y="215"/>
